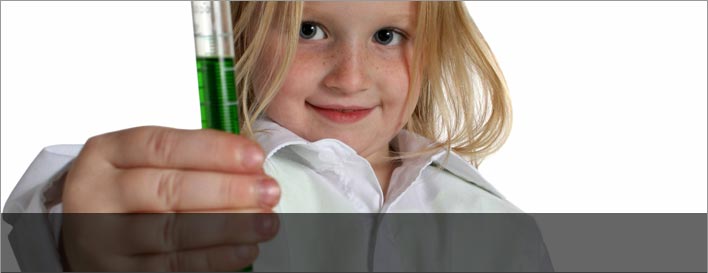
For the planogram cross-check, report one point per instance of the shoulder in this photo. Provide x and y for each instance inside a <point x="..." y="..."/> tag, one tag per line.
<point x="457" y="186"/>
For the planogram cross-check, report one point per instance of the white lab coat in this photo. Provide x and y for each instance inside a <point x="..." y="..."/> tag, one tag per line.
<point x="327" y="176"/>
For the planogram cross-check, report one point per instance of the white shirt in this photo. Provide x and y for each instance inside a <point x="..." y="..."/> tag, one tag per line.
<point x="328" y="176"/>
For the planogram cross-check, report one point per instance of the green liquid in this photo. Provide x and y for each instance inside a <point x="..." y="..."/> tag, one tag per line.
<point x="217" y="93"/>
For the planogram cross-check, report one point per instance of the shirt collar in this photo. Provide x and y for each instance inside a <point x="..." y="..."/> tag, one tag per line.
<point x="272" y="137"/>
<point x="407" y="141"/>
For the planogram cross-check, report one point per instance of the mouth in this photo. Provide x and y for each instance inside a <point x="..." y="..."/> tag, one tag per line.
<point x="341" y="113"/>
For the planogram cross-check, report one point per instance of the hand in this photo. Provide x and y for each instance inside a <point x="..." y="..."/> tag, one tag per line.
<point x="154" y="170"/>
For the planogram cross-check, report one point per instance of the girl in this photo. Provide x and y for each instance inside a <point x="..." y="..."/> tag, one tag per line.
<point x="363" y="107"/>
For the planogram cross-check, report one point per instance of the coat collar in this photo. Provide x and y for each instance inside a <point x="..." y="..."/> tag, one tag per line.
<point x="272" y="137"/>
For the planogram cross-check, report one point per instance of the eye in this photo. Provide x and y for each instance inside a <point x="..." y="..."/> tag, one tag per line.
<point x="388" y="36"/>
<point x="311" y="31"/>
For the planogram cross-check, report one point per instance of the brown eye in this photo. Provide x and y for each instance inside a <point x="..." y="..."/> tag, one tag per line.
<point x="311" y="31"/>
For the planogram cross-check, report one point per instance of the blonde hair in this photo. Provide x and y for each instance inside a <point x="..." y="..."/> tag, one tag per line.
<point x="463" y="104"/>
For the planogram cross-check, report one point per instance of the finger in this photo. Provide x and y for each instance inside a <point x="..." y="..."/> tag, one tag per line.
<point x="157" y="233"/>
<point x="165" y="190"/>
<point x="153" y="146"/>
<point x="221" y="258"/>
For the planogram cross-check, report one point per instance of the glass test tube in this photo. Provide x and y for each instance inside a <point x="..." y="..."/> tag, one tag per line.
<point x="214" y="45"/>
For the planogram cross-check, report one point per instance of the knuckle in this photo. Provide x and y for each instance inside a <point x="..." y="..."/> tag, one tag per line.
<point x="93" y="143"/>
<point x="161" y="143"/>
<point x="168" y="188"/>
<point x="168" y="233"/>
<point x="230" y="192"/>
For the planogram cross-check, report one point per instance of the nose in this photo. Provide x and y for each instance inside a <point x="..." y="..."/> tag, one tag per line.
<point x="349" y="69"/>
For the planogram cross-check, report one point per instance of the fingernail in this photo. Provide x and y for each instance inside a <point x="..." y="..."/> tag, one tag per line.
<point x="266" y="224"/>
<point x="245" y="252"/>
<point x="268" y="192"/>
<point x="252" y="158"/>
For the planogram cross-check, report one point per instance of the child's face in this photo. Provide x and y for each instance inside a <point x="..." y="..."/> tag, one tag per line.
<point x="349" y="78"/>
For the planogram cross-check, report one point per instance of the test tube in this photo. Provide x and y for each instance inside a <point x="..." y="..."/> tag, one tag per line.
<point x="214" y="45"/>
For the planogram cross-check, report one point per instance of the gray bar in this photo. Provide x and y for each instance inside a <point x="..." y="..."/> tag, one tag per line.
<point x="625" y="242"/>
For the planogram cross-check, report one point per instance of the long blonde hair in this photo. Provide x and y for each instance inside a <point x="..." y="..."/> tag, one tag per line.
<point x="463" y="104"/>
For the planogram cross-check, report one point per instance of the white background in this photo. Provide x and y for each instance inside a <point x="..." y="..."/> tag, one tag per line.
<point x="609" y="97"/>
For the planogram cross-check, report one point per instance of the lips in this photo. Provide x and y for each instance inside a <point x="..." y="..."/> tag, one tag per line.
<point x="341" y="113"/>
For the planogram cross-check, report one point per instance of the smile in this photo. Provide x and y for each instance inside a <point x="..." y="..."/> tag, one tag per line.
<point x="342" y="114"/>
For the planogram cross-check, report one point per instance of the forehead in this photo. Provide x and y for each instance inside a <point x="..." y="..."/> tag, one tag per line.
<point x="392" y="9"/>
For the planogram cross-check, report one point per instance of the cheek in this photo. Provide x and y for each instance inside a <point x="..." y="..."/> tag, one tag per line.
<point x="397" y="70"/>
<point x="397" y="74"/>
<point x="301" y="76"/>
<point x="298" y="84"/>
<point x="396" y="80"/>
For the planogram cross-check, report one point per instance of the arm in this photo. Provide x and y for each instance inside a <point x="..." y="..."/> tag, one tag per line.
<point x="34" y="235"/>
